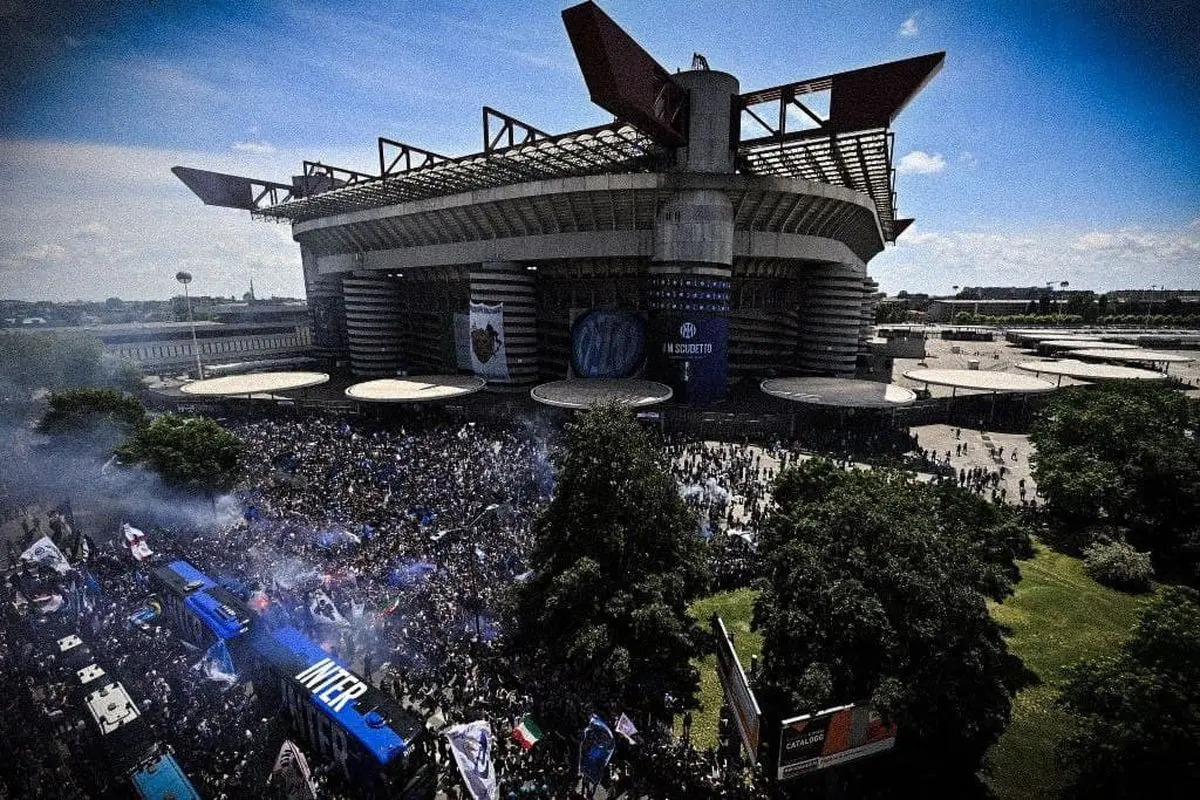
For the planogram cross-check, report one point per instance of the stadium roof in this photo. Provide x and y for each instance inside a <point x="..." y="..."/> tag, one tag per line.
<point x="422" y="389"/>
<point x="979" y="380"/>
<point x="254" y="383"/>
<point x="1084" y="371"/>
<point x="585" y="392"/>
<point x="850" y="146"/>
<point x="838" y="392"/>
<point x="1107" y="352"/>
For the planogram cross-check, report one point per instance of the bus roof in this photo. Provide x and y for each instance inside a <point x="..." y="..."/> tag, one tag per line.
<point x="374" y="720"/>
<point x="220" y="611"/>
<point x="162" y="779"/>
<point x="182" y="578"/>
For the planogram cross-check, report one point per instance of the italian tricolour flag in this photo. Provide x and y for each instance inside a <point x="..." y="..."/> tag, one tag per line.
<point x="527" y="733"/>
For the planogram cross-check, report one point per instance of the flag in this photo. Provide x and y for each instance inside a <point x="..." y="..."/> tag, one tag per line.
<point x="135" y="540"/>
<point x="323" y="610"/>
<point x="625" y="727"/>
<point x="472" y="747"/>
<point x="292" y="772"/>
<point x="595" y="749"/>
<point x="391" y="607"/>
<point x="46" y="553"/>
<point x="217" y="664"/>
<point x="527" y="733"/>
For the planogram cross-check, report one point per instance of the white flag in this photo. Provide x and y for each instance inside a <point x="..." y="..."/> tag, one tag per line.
<point x="45" y="552"/>
<point x="323" y="610"/>
<point x="135" y="540"/>
<point x="472" y="747"/>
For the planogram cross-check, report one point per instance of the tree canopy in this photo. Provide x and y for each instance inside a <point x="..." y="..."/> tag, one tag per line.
<point x="875" y="593"/>
<point x="82" y="409"/>
<point x="1138" y="727"/>
<point x="1124" y="458"/>
<point x="193" y="452"/>
<point x="617" y="558"/>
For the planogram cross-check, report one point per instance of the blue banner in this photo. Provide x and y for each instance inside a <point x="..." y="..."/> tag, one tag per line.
<point x="607" y="344"/>
<point x="690" y="354"/>
<point x="595" y="750"/>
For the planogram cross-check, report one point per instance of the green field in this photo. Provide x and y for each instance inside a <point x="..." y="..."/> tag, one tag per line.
<point x="737" y="609"/>
<point x="1058" y="616"/>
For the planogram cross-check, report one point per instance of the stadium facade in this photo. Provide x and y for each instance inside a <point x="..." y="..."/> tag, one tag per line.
<point x="705" y="236"/>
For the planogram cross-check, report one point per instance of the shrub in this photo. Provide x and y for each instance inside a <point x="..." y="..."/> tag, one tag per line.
<point x="1118" y="565"/>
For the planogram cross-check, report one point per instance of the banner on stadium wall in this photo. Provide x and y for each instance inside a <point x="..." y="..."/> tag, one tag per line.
<point x="834" y="736"/>
<point x="489" y="356"/>
<point x="472" y="747"/>
<point x="689" y="352"/>
<point x="606" y="344"/>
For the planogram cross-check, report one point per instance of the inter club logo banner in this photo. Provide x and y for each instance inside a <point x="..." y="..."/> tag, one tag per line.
<point x="690" y="354"/>
<point x="607" y="344"/>
<point x="489" y="356"/>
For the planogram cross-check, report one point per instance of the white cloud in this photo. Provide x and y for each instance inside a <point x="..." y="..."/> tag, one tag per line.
<point x="1101" y="260"/>
<point x="909" y="27"/>
<point x="918" y="162"/>
<point x="968" y="158"/>
<point x="260" y="148"/>
<point x="92" y="221"/>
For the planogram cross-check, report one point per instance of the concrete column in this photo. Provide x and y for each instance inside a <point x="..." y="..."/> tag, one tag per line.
<point x="513" y="286"/>
<point x="692" y="263"/>
<point x="374" y="324"/>
<point x="326" y="309"/>
<point x="831" y="320"/>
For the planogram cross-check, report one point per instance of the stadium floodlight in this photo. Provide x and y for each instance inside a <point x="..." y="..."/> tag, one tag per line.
<point x="185" y="278"/>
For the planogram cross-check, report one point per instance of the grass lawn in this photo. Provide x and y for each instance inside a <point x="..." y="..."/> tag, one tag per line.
<point x="737" y="609"/>
<point x="1057" y="616"/>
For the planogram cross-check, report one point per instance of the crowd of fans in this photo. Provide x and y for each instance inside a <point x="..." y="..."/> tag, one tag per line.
<point x="391" y="545"/>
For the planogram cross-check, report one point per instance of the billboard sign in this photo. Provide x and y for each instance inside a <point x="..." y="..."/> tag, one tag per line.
<point x="831" y="737"/>
<point x="738" y="694"/>
<point x="607" y="344"/>
<point x="690" y="354"/>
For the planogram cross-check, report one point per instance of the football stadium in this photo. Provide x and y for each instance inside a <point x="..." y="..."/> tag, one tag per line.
<point x="707" y="236"/>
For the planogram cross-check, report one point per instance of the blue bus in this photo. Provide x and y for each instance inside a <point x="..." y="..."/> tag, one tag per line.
<point x="200" y="611"/>
<point x="381" y="748"/>
<point x="160" y="778"/>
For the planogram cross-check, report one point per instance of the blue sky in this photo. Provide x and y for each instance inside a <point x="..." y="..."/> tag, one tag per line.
<point x="1060" y="141"/>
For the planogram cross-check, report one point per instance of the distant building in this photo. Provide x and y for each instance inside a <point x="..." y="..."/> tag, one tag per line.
<point x="167" y="346"/>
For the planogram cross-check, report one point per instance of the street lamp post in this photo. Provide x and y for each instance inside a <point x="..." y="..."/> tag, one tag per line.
<point x="185" y="278"/>
<point x="1150" y="304"/>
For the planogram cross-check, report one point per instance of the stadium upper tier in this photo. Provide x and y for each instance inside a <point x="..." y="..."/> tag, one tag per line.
<point x="860" y="161"/>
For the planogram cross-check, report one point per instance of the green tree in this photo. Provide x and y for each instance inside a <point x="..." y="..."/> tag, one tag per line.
<point x="77" y="410"/>
<point x="1124" y="458"/>
<point x="1138" y="731"/>
<point x="617" y="559"/>
<point x="875" y="593"/>
<point x="192" y="452"/>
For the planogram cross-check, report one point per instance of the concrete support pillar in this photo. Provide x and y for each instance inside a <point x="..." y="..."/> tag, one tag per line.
<point x="326" y="309"/>
<point x="513" y="287"/>
<point x="374" y="324"/>
<point x="831" y="320"/>
<point x="692" y="263"/>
